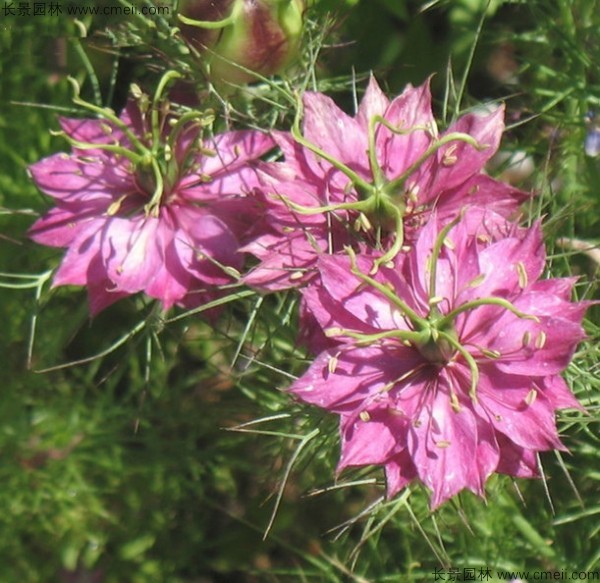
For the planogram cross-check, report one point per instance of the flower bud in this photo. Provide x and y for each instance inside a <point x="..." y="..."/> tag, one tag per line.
<point x="260" y="35"/>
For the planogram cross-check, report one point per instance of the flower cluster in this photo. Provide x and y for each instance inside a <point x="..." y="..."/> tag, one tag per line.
<point x="438" y="344"/>
<point x="146" y="203"/>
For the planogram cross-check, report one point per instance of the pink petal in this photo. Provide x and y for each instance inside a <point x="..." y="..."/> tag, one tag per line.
<point x="369" y="442"/>
<point x="98" y="181"/>
<point x="443" y="447"/>
<point x="525" y="417"/>
<point x="515" y="460"/>
<point x="359" y="374"/>
<point x="399" y="472"/>
<point x="132" y="250"/>
<point x="411" y="114"/>
<point x="335" y="132"/>
<point x="374" y="103"/>
<point x="60" y="226"/>
<point x="233" y="150"/>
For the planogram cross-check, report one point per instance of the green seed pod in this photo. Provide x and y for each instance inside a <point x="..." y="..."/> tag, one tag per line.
<point x="260" y="35"/>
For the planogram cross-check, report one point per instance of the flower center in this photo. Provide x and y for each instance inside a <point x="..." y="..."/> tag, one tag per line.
<point x="439" y="341"/>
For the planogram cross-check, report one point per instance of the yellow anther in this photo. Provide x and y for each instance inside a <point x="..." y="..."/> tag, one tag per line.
<point x="333" y="332"/>
<point x="114" y="207"/>
<point x="540" y="341"/>
<point x="449" y="158"/>
<point x="531" y="397"/>
<point x="523" y="279"/>
<point x="435" y="300"/>
<point x="477" y="281"/>
<point x="332" y="364"/>
<point x="493" y="354"/>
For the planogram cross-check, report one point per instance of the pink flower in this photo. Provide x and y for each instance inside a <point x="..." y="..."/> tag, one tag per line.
<point x="373" y="178"/>
<point x="447" y="367"/>
<point x="142" y="209"/>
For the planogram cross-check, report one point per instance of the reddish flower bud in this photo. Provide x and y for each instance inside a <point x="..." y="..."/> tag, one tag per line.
<point x="260" y="35"/>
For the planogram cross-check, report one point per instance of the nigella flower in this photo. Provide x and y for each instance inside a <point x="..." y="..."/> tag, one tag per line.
<point x="373" y="178"/>
<point x="447" y="364"/>
<point x="146" y="203"/>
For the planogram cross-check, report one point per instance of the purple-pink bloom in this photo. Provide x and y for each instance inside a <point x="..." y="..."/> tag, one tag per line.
<point x="141" y="208"/>
<point x="388" y="167"/>
<point x="447" y="364"/>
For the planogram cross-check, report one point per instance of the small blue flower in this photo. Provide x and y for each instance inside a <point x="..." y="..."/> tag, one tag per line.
<point x="592" y="138"/>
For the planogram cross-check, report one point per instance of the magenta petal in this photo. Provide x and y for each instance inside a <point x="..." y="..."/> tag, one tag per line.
<point x="367" y="442"/>
<point x="207" y="248"/>
<point x="443" y="446"/>
<point x="411" y="114"/>
<point x="486" y="129"/>
<point x="374" y="103"/>
<point x="518" y="409"/>
<point x="342" y="378"/>
<point x="233" y="150"/>
<point x="80" y="261"/>
<point x="335" y="132"/>
<point x="69" y="179"/>
<point x="399" y="472"/>
<point x="558" y="393"/>
<point x="132" y="251"/>
<point x="517" y="461"/>
<point x="363" y="302"/>
<point x="59" y="227"/>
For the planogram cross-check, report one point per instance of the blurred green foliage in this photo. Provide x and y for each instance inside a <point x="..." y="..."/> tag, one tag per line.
<point x="120" y="469"/>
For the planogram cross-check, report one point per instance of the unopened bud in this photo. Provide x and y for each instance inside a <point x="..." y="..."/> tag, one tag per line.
<point x="259" y="35"/>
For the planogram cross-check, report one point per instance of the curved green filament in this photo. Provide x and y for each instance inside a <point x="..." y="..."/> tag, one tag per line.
<point x="435" y="253"/>
<point x="120" y="150"/>
<point x="364" y="339"/>
<point x="398" y="240"/>
<point x="378" y="175"/>
<point x="153" y="207"/>
<point x="158" y="94"/>
<point x="193" y="118"/>
<point x="306" y="210"/>
<point x="415" y="319"/>
<point x="356" y="180"/>
<point x="397" y="183"/>
<point x="448" y="318"/>
<point x="470" y="361"/>
<point x="208" y="24"/>
<point x="108" y="115"/>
